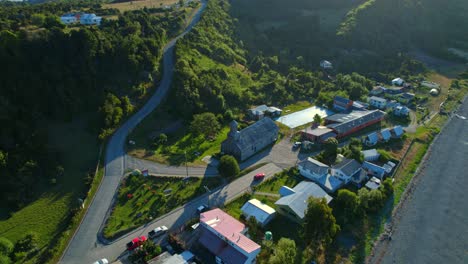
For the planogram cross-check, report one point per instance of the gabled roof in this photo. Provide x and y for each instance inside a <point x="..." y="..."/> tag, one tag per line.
<point x="229" y="227"/>
<point x="341" y="100"/>
<point x="386" y="135"/>
<point x="374" y="167"/>
<point x="257" y="209"/>
<point x="377" y="99"/>
<point x="347" y="166"/>
<point x="398" y="131"/>
<point x="373" y="137"/>
<point x="330" y="183"/>
<point x="285" y="190"/>
<point x="314" y="166"/>
<point x="370" y="154"/>
<point x="247" y="137"/>
<point x="298" y="201"/>
<point x="346" y="122"/>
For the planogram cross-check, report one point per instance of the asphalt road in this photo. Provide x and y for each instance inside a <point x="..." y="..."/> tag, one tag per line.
<point x="432" y="227"/>
<point x="83" y="248"/>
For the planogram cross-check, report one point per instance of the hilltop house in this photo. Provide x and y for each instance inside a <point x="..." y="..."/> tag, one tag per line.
<point x="324" y="64"/>
<point x="245" y="143"/>
<point x="294" y="204"/>
<point x="223" y="236"/>
<point x="82" y="18"/>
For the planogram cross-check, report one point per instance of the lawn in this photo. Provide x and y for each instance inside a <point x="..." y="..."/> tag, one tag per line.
<point x="49" y="215"/>
<point x="298" y="106"/>
<point x="141" y="199"/>
<point x="289" y="178"/>
<point x="139" y="4"/>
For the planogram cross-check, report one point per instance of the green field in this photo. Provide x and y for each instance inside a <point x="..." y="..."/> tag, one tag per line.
<point x="49" y="215"/>
<point x="142" y="199"/>
<point x="289" y="178"/>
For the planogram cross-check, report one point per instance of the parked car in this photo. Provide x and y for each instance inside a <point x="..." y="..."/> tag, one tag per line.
<point x="202" y="208"/>
<point x="136" y="242"/>
<point x="157" y="231"/>
<point x="297" y="144"/>
<point x="259" y="176"/>
<point x="102" y="261"/>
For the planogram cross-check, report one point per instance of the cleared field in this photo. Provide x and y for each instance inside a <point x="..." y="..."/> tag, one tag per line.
<point x="134" y="5"/>
<point x="48" y="215"/>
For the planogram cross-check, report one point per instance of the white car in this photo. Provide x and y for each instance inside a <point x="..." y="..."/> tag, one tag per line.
<point x="102" y="261"/>
<point x="158" y="231"/>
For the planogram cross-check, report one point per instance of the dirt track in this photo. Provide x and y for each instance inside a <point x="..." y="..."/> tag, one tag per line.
<point x="432" y="226"/>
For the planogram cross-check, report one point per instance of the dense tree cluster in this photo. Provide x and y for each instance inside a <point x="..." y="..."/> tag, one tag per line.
<point x="52" y="72"/>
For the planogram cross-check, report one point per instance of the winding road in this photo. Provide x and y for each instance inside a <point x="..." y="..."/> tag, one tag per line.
<point x="85" y="246"/>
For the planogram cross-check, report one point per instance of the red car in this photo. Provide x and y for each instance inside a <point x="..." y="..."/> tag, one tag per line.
<point x="136" y="242"/>
<point x="259" y="176"/>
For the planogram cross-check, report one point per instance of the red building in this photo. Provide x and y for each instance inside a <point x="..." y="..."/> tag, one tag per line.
<point x="346" y="124"/>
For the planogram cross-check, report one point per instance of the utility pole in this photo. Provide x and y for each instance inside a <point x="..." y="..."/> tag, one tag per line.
<point x="186" y="167"/>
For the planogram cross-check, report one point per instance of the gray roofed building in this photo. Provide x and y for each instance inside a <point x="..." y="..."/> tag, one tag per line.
<point x="245" y="143"/>
<point x="370" y="154"/>
<point x="345" y="124"/>
<point x="345" y="169"/>
<point x="312" y="169"/>
<point x="263" y="110"/>
<point x="294" y="205"/>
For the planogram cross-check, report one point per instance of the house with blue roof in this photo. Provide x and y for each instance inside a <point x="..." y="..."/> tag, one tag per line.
<point x="342" y="104"/>
<point x="294" y="205"/>
<point x="385" y="134"/>
<point x="397" y="131"/>
<point x="371" y="139"/>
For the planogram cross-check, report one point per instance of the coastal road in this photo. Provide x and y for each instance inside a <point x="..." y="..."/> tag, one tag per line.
<point x="83" y="248"/>
<point x="432" y="226"/>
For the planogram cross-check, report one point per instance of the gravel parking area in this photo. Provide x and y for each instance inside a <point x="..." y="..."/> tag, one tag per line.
<point x="432" y="227"/>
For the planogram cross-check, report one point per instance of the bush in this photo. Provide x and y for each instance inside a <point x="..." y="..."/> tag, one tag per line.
<point x="4" y="260"/>
<point x="228" y="166"/>
<point x="27" y="243"/>
<point x="5" y="246"/>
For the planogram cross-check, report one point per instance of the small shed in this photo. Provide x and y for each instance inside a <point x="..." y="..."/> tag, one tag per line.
<point x="260" y="211"/>
<point x="373" y="183"/>
<point x="398" y="81"/>
<point x="371" y="154"/>
<point x="373" y="169"/>
<point x="371" y="139"/>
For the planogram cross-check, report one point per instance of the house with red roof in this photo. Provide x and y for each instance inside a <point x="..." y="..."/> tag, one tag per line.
<point x="223" y="235"/>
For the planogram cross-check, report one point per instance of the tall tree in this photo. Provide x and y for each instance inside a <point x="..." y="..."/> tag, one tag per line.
<point x="285" y="252"/>
<point x="206" y="124"/>
<point x="228" y="166"/>
<point x="319" y="223"/>
<point x="347" y="206"/>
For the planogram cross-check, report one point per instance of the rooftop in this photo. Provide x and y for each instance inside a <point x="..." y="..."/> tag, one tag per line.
<point x="347" y="166"/>
<point x="346" y="122"/>
<point x="317" y="132"/>
<point x="314" y="166"/>
<point x="303" y="191"/>
<point x="378" y="99"/>
<point x="228" y="227"/>
<point x="257" y="209"/>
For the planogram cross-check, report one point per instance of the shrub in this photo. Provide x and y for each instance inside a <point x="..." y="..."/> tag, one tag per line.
<point x="228" y="166"/>
<point x="5" y="246"/>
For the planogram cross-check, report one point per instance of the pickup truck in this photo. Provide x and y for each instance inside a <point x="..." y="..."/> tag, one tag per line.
<point x="157" y="231"/>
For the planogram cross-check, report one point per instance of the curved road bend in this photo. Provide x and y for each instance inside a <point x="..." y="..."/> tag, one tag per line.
<point x="432" y="227"/>
<point x="83" y="246"/>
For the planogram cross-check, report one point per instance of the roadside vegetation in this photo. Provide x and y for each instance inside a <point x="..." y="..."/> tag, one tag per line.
<point x="142" y="199"/>
<point x="89" y="79"/>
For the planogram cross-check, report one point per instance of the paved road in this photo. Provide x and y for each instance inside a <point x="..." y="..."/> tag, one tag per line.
<point x="82" y="248"/>
<point x="432" y="227"/>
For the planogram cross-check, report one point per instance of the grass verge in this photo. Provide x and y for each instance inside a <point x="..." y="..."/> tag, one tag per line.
<point x="142" y="199"/>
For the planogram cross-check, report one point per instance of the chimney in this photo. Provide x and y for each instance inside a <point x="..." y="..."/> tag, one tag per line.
<point x="238" y="239"/>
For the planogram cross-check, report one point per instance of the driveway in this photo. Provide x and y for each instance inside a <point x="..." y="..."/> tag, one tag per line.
<point x="84" y="246"/>
<point x="432" y="226"/>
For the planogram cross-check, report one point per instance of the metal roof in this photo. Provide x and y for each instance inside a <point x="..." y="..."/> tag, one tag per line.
<point x="257" y="209"/>
<point x="346" y="122"/>
<point x="347" y="166"/>
<point x="264" y="128"/>
<point x="298" y="201"/>
<point x="314" y="166"/>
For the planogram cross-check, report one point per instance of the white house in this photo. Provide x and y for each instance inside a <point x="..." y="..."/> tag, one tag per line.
<point x="90" y="19"/>
<point x="223" y="235"/>
<point x="345" y="169"/>
<point x="378" y="102"/>
<point x="258" y="210"/>
<point x="398" y="82"/>
<point x="312" y="169"/>
<point x="326" y="64"/>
